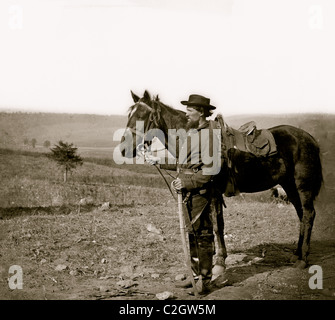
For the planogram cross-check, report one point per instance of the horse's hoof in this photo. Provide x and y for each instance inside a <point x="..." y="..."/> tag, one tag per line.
<point x="300" y="264"/>
<point x="220" y="281"/>
<point x="217" y="271"/>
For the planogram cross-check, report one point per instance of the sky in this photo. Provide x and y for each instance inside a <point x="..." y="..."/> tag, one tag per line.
<point x="247" y="56"/>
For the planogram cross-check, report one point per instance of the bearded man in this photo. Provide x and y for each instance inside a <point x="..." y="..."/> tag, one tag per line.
<point x="196" y="181"/>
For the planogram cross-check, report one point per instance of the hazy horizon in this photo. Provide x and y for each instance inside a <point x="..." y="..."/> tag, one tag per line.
<point x="32" y="111"/>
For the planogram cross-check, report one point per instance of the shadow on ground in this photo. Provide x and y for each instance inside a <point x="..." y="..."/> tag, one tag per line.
<point x="265" y="272"/>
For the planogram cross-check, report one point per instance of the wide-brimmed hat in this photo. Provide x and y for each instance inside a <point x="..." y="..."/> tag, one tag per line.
<point x="198" y="100"/>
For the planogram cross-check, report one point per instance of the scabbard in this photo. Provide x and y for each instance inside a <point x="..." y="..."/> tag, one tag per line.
<point x="184" y="243"/>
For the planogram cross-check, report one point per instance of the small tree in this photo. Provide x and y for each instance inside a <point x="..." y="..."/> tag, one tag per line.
<point x="33" y="142"/>
<point x="46" y="144"/>
<point x="65" y="154"/>
<point x="26" y="141"/>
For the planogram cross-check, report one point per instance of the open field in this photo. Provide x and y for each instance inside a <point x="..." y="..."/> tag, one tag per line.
<point x="131" y="249"/>
<point x="29" y="179"/>
<point x="134" y="252"/>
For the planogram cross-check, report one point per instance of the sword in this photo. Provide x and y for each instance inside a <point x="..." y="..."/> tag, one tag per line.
<point x="183" y="239"/>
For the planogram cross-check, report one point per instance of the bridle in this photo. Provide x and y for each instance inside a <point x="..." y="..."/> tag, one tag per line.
<point x="153" y="122"/>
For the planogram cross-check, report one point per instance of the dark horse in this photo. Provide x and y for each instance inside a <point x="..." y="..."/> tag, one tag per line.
<point x="296" y="166"/>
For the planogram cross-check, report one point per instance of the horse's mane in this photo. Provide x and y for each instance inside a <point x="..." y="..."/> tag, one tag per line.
<point x="155" y="100"/>
<point x="168" y="108"/>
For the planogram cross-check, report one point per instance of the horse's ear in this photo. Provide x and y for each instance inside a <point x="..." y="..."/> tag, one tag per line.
<point x="157" y="98"/>
<point x="146" y="96"/>
<point x="135" y="97"/>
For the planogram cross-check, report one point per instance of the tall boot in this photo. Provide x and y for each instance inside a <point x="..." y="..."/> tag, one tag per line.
<point x="205" y="254"/>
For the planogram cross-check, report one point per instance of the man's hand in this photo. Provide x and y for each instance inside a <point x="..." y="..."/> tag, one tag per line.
<point x="177" y="184"/>
<point x="151" y="159"/>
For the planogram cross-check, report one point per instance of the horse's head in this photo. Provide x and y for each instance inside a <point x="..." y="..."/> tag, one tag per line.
<point x="143" y="116"/>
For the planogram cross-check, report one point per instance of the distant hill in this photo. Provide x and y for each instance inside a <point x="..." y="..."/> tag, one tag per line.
<point x="84" y="130"/>
<point x="96" y="131"/>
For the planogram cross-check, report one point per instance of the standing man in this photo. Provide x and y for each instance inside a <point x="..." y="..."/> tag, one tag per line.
<point x="196" y="180"/>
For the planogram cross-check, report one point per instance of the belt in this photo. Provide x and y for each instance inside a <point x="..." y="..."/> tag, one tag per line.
<point x="188" y="171"/>
<point x="199" y="191"/>
<point x="194" y="192"/>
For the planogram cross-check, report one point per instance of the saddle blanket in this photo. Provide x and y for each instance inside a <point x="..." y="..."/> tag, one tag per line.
<point x="248" y="138"/>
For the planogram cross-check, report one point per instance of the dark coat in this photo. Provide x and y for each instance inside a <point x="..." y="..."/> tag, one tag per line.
<point x="199" y="158"/>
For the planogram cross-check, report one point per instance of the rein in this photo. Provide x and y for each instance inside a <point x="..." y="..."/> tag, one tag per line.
<point x="152" y="122"/>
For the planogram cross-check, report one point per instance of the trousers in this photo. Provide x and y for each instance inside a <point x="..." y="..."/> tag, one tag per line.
<point x="200" y="234"/>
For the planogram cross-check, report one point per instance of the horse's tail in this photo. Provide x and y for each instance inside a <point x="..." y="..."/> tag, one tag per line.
<point x="317" y="177"/>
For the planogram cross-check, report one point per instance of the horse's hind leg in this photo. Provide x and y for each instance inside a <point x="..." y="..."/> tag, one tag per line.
<point x="306" y="226"/>
<point x="294" y="198"/>
<point x="303" y="203"/>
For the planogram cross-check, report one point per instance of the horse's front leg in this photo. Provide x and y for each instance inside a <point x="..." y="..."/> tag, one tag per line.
<point x="219" y="265"/>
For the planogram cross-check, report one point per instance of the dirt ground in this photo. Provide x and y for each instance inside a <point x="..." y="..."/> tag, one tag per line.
<point x="89" y="256"/>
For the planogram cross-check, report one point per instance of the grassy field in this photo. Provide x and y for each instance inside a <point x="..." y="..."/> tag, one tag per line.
<point x="30" y="179"/>
<point x="132" y="249"/>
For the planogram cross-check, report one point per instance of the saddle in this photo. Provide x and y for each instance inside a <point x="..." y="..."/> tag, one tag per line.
<point x="254" y="143"/>
<point x="248" y="138"/>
